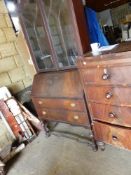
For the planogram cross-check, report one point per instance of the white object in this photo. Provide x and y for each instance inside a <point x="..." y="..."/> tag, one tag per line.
<point x="16" y="23"/>
<point x="129" y="39"/>
<point x="130" y="33"/>
<point x="107" y="48"/>
<point x="14" y="108"/>
<point x="4" y="93"/>
<point x="96" y="53"/>
<point x="60" y="64"/>
<point x="20" y="148"/>
<point x="124" y="35"/>
<point x="84" y="2"/>
<point x="95" y="47"/>
<point x="11" y="6"/>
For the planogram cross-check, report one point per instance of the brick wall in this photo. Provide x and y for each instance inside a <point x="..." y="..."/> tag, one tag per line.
<point x="15" y="71"/>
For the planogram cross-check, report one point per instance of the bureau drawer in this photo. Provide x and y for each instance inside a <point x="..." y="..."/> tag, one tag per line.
<point x="110" y="95"/>
<point x="118" y="136"/>
<point x="107" y="75"/>
<point x="66" y="104"/>
<point x="111" y="114"/>
<point x="78" y="118"/>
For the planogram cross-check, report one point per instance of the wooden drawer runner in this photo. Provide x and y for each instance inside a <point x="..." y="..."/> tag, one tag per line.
<point x="117" y="136"/>
<point x="110" y="95"/>
<point x="111" y="114"/>
<point x="73" y="105"/>
<point x="107" y="75"/>
<point x="78" y="118"/>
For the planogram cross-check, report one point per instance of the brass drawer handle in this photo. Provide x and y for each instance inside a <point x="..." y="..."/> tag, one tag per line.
<point x="84" y="63"/>
<point x="115" y="138"/>
<point x="73" y="105"/>
<point x="40" y="102"/>
<point x="16" y="126"/>
<point x="44" y="112"/>
<point x="109" y="95"/>
<point x="106" y="75"/>
<point x="76" y="117"/>
<point x="112" y="115"/>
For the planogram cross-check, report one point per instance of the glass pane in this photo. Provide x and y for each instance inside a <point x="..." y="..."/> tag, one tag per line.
<point x="61" y="28"/>
<point x="37" y="35"/>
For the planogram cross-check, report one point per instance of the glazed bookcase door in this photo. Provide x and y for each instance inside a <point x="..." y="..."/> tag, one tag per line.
<point x="63" y="35"/>
<point x="38" y="40"/>
<point x="55" y="31"/>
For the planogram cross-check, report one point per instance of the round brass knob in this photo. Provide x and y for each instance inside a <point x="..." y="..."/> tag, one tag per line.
<point x="44" y="112"/>
<point x="76" y="117"/>
<point x="109" y="95"/>
<point x="112" y="115"/>
<point x="115" y="138"/>
<point x="73" y="105"/>
<point x="40" y="102"/>
<point x="105" y="76"/>
<point x="84" y="63"/>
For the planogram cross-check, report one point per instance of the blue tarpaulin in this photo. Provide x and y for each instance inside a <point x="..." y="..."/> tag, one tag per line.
<point x="95" y="31"/>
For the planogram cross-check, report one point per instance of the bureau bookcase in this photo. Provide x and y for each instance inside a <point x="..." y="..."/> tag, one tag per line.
<point x="56" y="34"/>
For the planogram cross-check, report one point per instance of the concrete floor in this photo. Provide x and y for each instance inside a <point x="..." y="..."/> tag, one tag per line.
<point x="63" y="156"/>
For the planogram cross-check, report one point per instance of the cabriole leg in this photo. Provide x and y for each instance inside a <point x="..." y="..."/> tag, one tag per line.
<point x="46" y="128"/>
<point x="101" y="145"/>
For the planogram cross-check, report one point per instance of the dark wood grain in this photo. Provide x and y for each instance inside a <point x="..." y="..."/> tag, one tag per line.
<point x="119" y="95"/>
<point x="107" y="85"/>
<point x="64" y="84"/>
<point x="112" y="114"/>
<point x="116" y="136"/>
<point x="121" y="54"/>
<point x="65" y="104"/>
<point x="103" y="4"/>
<point x="82" y="26"/>
<point x="77" y="118"/>
<point x="107" y="75"/>
<point x="59" y="96"/>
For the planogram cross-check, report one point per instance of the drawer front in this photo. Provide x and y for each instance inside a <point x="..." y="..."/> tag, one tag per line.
<point x="73" y="105"/>
<point x="107" y="76"/>
<point x="113" y="135"/>
<point x="78" y="118"/>
<point x="111" y="114"/>
<point x="120" y="96"/>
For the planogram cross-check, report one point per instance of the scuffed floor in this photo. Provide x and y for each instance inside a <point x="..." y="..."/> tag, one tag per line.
<point x="63" y="156"/>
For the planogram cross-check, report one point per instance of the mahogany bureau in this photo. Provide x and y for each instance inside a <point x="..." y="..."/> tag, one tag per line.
<point x="59" y="97"/>
<point x="56" y="33"/>
<point x="107" y="84"/>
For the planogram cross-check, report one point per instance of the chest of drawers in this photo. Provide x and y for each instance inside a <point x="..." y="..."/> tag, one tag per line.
<point x="107" y="85"/>
<point x="59" y="97"/>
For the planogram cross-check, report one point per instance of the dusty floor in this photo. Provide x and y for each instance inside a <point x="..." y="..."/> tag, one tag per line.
<point x="63" y="156"/>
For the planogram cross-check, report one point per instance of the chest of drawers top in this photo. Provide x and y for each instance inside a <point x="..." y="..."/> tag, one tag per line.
<point x="110" y="69"/>
<point x="114" y="56"/>
<point x="101" y="60"/>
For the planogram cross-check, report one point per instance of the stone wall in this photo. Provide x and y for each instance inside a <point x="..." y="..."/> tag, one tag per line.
<point x="15" y="70"/>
